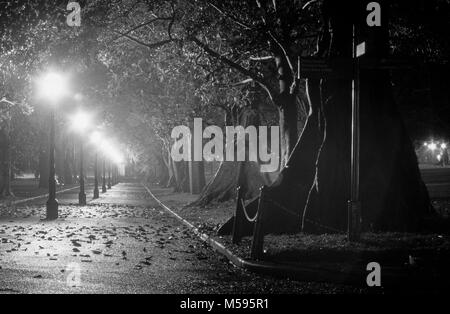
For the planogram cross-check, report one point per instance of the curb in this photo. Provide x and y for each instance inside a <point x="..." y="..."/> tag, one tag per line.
<point x="21" y="201"/>
<point x="268" y="268"/>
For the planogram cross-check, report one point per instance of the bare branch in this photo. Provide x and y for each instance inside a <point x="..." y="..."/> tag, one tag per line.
<point x="234" y="65"/>
<point x="284" y="52"/>
<point x="231" y="17"/>
<point x="142" y="25"/>
<point x="7" y="101"/>
<point x="148" y="45"/>
<point x="266" y="58"/>
<point x="307" y="4"/>
<point x="246" y="81"/>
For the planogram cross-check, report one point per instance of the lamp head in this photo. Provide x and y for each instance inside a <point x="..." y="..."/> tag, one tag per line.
<point x="80" y="121"/>
<point x="52" y="86"/>
<point x="96" y="137"/>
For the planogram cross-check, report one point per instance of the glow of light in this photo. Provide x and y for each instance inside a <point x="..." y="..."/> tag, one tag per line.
<point x="118" y="158"/>
<point x="78" y="97"/>
<point x="52" y="86"/>
<point x="111" y="153"/>
<point x="96" y="138"/>
<point x="443" y="146"/>
<point x="425" y="144"/>
<point x="432" y="146"/>
<point x="80" y="121"/>
<point x="439" y="157"/>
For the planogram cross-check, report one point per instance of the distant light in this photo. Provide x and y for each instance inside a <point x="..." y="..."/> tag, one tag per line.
<point x="439" y="157"/>
<point x="78" y="97"/>
<point x="80" y="121"/>
<point x="118" y="158"/>
<point x="111" y="152"/>
<point x="443" y="146"/>
<point x="425" y="144"/>
<point x="52" y="86"/>
<point x="96" y="137"/>
<point x="432" y="146"/>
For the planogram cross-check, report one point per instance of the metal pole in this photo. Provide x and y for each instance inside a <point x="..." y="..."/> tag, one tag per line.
<point x="113" y="175"/>
<point x="82" y="194"/>
<point x="109" y="174"/>
<point x="104" y="176"/>
<point x="96" y="191"/>
<point x="354" y="204"/>
<point x="52" y="203"/>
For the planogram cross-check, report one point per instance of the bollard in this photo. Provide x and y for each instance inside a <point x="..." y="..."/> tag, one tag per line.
<point x="258" y="233"/>
<point x="238" y="218"/>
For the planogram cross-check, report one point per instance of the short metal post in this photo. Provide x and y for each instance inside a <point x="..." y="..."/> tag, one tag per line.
<point x="238" y="218"/>
<point x="258" y="232"/>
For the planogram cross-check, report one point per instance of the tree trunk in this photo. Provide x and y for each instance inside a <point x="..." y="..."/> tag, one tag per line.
<point x="316" y="183"/>
<point x="287" y="107"/>
<point x="181" y="174"/>
<point x="171" y="182"/>
<point x="5" y="159"/>
<point x="162" y="172"/>
<point x="231" y="174"/>
<point x="196" y="170"/>
<point x="393" y="194"/>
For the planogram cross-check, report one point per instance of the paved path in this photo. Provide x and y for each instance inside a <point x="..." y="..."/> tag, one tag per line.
<point x="120" y="243"/>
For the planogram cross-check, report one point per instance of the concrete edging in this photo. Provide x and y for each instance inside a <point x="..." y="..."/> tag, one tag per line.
<point x="21" y="201"/>
<point x="301" y="273"/>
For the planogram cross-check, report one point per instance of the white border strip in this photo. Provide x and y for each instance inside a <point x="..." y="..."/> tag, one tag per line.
<point x="21" y="201"/>
<point x="237" y="261"/>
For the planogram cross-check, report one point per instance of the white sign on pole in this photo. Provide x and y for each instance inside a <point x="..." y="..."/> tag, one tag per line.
<point x="361" y="49"/>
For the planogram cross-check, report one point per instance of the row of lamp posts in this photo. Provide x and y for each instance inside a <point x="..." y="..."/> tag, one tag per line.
<point x="52" y="87"/>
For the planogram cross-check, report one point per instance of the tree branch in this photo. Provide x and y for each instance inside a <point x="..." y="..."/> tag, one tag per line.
<point x="148" y="45"/>
<point x="266" y="58"/>
<point x="234" y="65"/>
<point x="231" y="17"/>
<point x="307" y="4"/>
<point x="142" y="25"/>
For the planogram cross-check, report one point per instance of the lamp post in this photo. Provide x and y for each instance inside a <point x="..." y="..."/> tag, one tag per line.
<point x="104" y="175"/>
<point x="109" y="174"/>
<point x="52" y="203"/>
<point x="96" y="191"/>
<point x="80" y="122"/>
<point x="95" y="140"/>
<point x="82" y="194"/>
<point x="114" y="175"/>
<point x="52" y="87"/>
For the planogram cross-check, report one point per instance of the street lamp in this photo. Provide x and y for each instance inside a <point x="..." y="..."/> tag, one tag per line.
<point x="114" y="158"/>
<point x="52" y="87"/>
<point x="118" y="159"/>
<point x="104" y="175"/>
<point x="96" y="138"/>
<point x="432" y="146"/>
<point x="80" y="122"/>
<point x="109" y="174"/>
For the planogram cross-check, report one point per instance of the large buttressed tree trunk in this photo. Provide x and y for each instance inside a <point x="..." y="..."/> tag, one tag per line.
<point x="392" y="192"/>
<point x="314" y="188"/>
